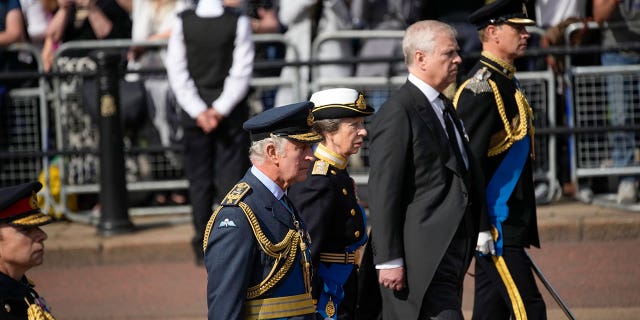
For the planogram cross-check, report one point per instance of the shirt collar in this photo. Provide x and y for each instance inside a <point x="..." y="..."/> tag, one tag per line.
<point x="209" y="8"/>
<point x="267" y="182"/>
<point x="429" y="92"/>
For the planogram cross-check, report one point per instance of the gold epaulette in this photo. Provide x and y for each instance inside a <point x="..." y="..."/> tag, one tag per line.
<point x="232" y="198"/>
<point x="479" y="83"/>
<point x="236" y="194"/>
<point x="320" y="168"/>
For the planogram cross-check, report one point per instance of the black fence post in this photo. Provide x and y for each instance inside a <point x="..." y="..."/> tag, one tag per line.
<point x="114" y="217"/>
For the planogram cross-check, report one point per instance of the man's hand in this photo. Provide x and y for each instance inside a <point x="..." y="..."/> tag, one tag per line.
<point x="485" y="243"/>
<point x="392" y="278"/>
<point x="208" y="120"/>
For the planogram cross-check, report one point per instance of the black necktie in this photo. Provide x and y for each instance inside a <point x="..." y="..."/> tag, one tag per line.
<point x="448" y="115"/>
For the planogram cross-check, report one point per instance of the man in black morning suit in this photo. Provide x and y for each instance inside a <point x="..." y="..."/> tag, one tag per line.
<point x="500" y="124"/>
<point x="256" y="248"/>
<point x="425" y="190"/>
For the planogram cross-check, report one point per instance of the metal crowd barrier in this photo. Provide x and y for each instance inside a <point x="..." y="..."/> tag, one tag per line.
<point x="26" y="115"/>
<point x="598" y="127"/>
<point x="593" y="154"/>
<point x="148" y="167"/>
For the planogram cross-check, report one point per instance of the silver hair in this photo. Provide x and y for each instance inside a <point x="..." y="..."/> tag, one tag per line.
<point x="422" y="36"/>
<point x="256" y="151"/>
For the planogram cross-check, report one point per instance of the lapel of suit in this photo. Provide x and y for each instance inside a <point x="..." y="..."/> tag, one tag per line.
<point x="270" y="205"/>
<point x="428" y="115"/>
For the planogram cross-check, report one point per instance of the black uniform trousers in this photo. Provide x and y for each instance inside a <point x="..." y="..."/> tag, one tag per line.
<point x="213" y="163"/>
<point x="491" y="297"/>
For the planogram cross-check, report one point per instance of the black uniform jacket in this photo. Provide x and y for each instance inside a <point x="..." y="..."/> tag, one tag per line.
<point x="480" y="111"/>
<point x="328" y="204"/>
<point x="417" y="196"/>
<point x="12" y="298"/>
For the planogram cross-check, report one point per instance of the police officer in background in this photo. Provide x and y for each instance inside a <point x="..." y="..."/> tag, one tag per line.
<point x="21" y="248"/>
<point x="210" y="78"/>
<point x="255" y="244"/>
<point x="328" y="202"/>
<point x="498" y="119"/>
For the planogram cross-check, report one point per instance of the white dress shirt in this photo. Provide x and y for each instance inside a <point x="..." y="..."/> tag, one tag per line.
<point x="236" y="84"/>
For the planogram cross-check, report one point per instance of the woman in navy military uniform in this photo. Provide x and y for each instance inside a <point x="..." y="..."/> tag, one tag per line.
<point x="21" y="248"/>
<point x="328" y="203"/>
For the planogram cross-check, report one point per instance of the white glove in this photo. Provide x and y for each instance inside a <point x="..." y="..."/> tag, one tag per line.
<point x="485" y="243"/>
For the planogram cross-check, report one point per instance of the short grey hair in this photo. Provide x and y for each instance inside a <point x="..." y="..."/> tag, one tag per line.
<point x="422" y="36"/>
<point x="256" y="151"/>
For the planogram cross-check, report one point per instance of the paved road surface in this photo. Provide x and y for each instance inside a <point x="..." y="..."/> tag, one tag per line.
<point x="598" y="280"/>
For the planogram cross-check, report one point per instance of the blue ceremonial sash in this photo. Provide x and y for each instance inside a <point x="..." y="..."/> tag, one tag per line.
<point x="501" y="186"/>
<point x="333" y="276"/>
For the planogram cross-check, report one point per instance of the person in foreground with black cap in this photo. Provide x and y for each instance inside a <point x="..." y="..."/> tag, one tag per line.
<point x="255" y="245"/>
<point x="328" y="203"/>
<point x="425" y="189"/>
<point x="21" y="248"/>
<point x="498" y="119"/>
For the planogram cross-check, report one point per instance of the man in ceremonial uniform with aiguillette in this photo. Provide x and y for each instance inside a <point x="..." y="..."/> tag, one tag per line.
<point x="255" y="245"/>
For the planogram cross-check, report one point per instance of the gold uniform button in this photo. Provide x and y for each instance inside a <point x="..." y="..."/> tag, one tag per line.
<point x="353" y="212"/>
<point x="344" y="191"/>
<point x="357" y="234"/>
<point x="333" y="172"/>
<point x="7" y="307"/>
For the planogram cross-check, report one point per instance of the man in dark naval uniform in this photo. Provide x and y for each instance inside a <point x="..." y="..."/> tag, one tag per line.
<point x="498" y="119"/>
<point x="21" y="248"/>
<point x="255" y="244"/>
<point x="210" y="77"/>
<point x="328" y="202"/>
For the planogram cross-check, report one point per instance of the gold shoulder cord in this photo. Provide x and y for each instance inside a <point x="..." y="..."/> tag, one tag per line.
<point x="524" y="113"/>
<point x="207" y="230"/>
<point x="35" y="312"/>
<point x="284" y="250"/>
